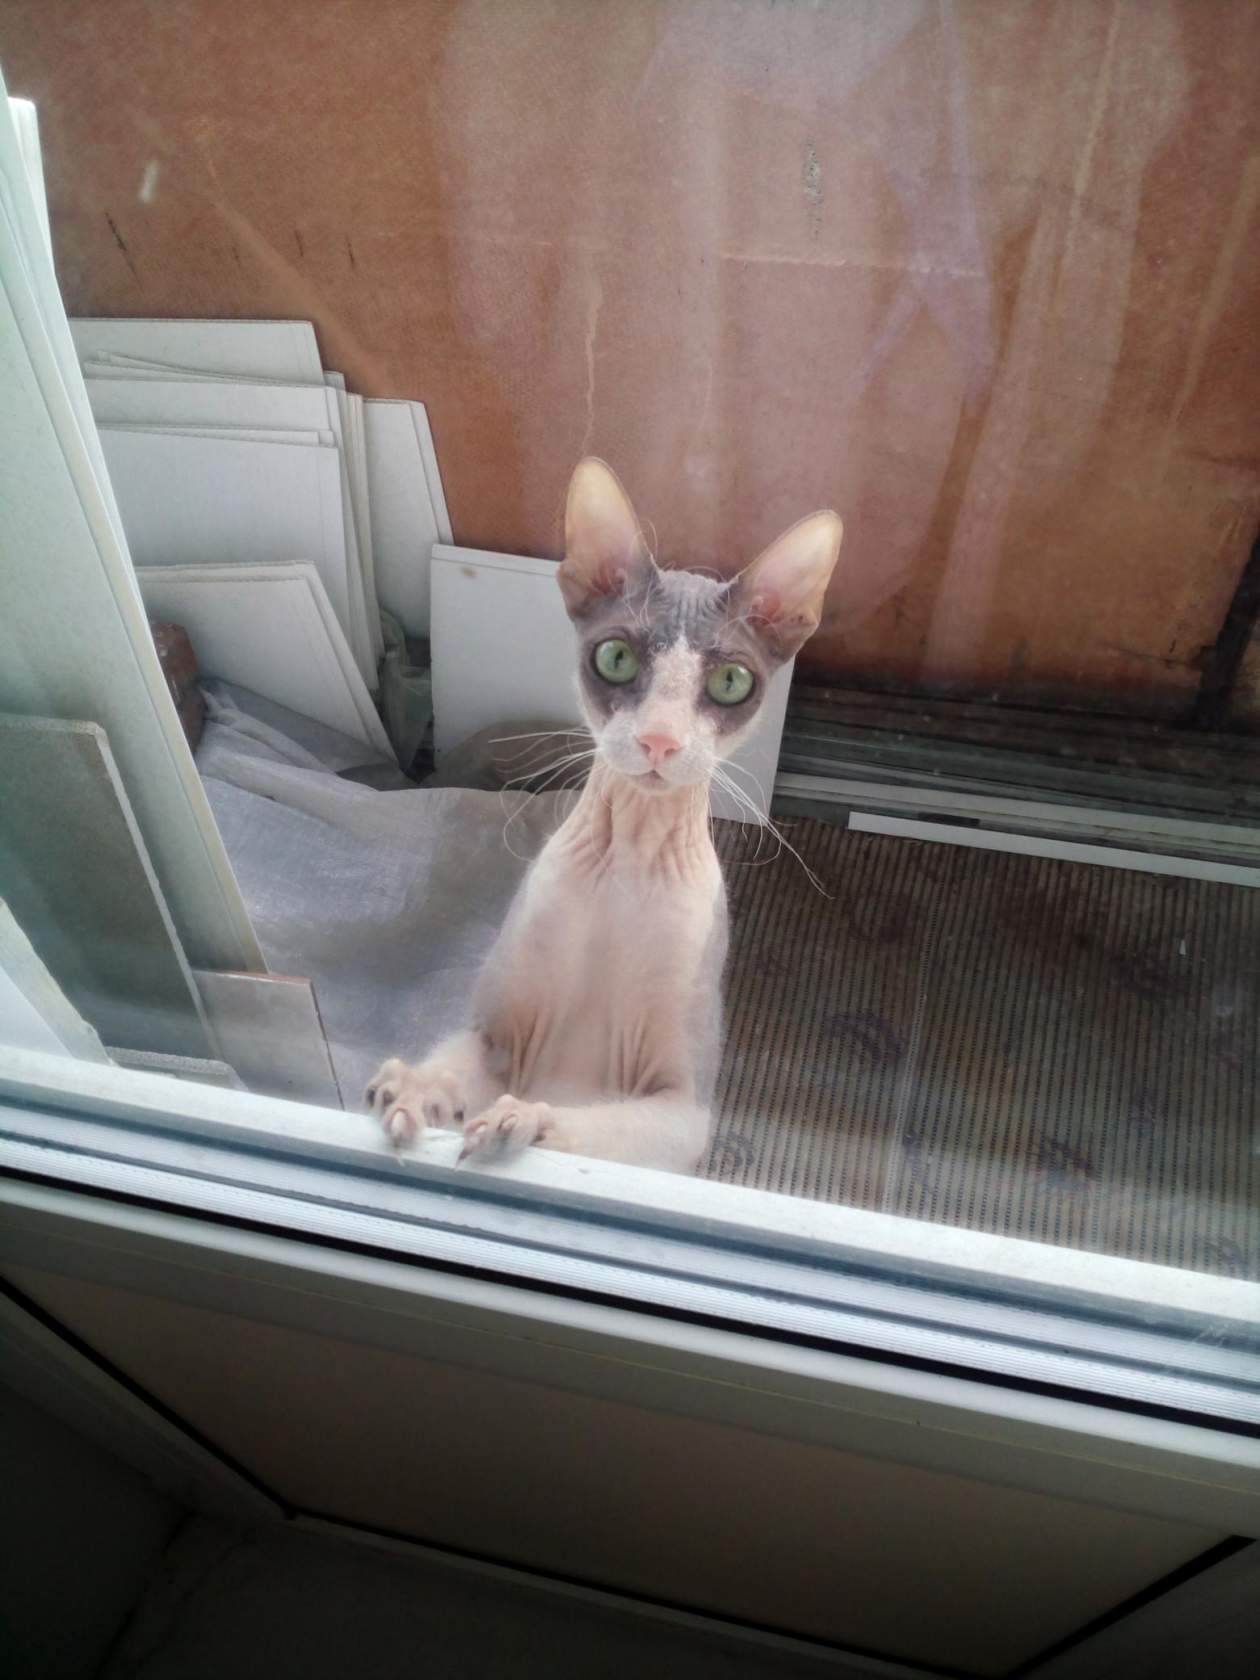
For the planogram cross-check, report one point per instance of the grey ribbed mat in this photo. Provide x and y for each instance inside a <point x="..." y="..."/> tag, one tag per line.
<point x="1050" y="1050"/>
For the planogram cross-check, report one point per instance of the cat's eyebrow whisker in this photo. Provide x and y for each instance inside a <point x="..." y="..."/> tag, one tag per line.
<point x="639" y="614"/>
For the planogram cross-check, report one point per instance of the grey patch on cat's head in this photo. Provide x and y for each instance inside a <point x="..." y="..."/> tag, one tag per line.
<point x="659" y="611"/>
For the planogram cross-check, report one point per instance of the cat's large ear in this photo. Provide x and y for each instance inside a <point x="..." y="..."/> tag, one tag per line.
<point x="603" y="544"/>
<point x="781" y="593"/>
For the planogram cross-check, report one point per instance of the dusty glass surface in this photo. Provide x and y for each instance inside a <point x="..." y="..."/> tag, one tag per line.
<point x="981" y="279"/>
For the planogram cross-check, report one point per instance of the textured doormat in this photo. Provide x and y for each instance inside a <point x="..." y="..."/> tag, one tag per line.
<point x="1049" y="1050"/>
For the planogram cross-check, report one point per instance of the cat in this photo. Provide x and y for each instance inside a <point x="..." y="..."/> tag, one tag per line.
<point x="595" y="1024"/>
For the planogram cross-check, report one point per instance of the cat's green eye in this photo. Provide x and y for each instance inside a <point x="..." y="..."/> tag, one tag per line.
<point x="730" y="684"/>
<point x="616" y="661"/>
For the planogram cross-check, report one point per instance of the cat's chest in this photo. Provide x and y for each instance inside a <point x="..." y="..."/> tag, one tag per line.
<point x="597" y="983"/>
<point x="617" y="936"/>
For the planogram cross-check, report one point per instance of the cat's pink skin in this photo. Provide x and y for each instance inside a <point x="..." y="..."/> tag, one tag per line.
<point x="603" y="984"/>
<point x="596" y="1020"/>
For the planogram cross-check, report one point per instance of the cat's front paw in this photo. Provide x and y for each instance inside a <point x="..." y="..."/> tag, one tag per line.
<point x="405" y="1098"/>
<point x="508" y="1126"/>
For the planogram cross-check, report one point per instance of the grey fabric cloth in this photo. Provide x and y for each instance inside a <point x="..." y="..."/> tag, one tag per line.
<point x="387" y="900"/>
<point x="265" y="729"/>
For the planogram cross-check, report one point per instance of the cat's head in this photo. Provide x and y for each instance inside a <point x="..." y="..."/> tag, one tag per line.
<point x="673" y="666"/>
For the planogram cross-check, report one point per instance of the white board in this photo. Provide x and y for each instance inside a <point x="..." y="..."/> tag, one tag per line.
<point x="31" y="284"/>
<point x="503" y="649"/>
<point x="61" y="542"/>
<point x="405" y="521"/>
<point x="35" y="1014"/>
<point x="1067" y="851"/>
<point x="210" y="501"/>
<point x="361" y="509"/>
<point x="241" y="349"/>
<point x="234" y="434"/>
<point x="432" y="475"/>
<point x="26" y="126"/>
<point x="269" y="1029"/>
<point x="79" y="878"/>
<point x="189" y="406"/>
<point x="197" y="501"/>
<point x="359" y="631"/>
<point x="23" y="1025"/>
<point x="108" y="365"/>
<point x="201" y="1070"/>
<point x="270" y="629"/>
<point x="1072" y="822"/>
<point x="224" y="403"/>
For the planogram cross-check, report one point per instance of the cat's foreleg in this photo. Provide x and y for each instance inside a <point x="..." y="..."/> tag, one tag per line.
<point x="455" y="1080"/>
<point x="669" y="1131"/>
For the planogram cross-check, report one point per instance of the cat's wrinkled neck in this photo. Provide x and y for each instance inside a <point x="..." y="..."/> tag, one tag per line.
<point x="656" y="831"/>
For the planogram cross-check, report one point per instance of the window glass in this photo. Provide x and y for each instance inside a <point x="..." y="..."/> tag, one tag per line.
<point x="643" y="601"/>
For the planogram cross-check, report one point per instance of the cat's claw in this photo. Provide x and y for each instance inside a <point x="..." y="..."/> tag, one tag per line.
<point x="507" y="1127"/>
<point x="405" y="1099"/>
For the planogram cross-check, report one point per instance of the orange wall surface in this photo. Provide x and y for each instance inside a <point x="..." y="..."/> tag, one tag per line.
<point x="983" y="276"/>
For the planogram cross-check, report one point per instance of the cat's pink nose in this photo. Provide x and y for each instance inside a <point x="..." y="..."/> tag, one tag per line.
<point x="658" y="748"/>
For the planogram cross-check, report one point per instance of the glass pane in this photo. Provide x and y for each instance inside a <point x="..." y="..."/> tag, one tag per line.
<point x="317" y="787"/>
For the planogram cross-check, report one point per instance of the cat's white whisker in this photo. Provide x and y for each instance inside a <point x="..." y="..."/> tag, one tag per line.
<point x="540" y="787"/>
<point x="533" y="734"/>
<point x="542" y="735"/>
<point x="547" y="772"/>
<point x="765" y="822"/>
<point x="535" y="770"/>
<point x="525" y="795"/>
<point x="730" y="766"/>
<point x="534" y="739"/>
<point x="759" y="812"/>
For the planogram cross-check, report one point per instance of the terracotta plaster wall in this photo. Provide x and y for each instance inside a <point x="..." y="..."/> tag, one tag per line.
<point x="981" y="275"/>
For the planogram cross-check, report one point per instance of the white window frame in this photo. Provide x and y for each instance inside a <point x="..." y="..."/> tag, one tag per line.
<point x="200" y="1194"/>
